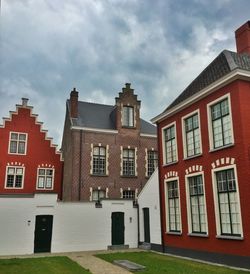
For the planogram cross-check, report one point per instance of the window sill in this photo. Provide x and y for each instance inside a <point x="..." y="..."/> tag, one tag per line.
<point x="169" y="164"/>
<point x="198" y="235"/>
<point x="128" y="176"/>
<point x="13" y="153"/>
<point x="227" y="237"/>
<point x="98" y="175"/>
<point x="192" y="157"/>
<point x="128" y="127"/>
<point x="177" y="233"/>
<point x="219" y="148"/>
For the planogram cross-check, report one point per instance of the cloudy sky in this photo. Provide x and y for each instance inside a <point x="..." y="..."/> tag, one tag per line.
<point x="48" y="47"/>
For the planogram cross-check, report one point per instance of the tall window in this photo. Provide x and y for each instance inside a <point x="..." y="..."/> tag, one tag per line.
<point x="99" y="160"/>
<point x="128" y="194"/>
<point x="98" y="194"/>
<point x="170" y="144"/>
<point x="45" y="178"/>
<point x="128" y="162"/>
<point x="14" y="178"/>
<point x="197" y="204"/>
<point x="221" y="124"/>
<point x="228" y="204"/>
<point x="128" y="116"/>
<point x="173" y="207"/>
<point x="192" y="134"/>
<point x="152" y="162"/>
<point x="17" y="144"/>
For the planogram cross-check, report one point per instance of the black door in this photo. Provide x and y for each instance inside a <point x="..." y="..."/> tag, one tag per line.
<point x="43" y="233"/>
<point x="118" y="228"/>
<point x="146" y="225"/>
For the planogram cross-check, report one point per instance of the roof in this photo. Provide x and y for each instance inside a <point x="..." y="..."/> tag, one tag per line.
<point x="99" y="116"/>
<point x="223" y="64"/>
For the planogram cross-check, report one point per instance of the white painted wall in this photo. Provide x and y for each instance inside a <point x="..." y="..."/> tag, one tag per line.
<point x="149" y="197"/>
<point x="76" y="226"/>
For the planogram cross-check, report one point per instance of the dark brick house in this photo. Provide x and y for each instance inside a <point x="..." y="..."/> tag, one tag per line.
<point x="108" y="150"/>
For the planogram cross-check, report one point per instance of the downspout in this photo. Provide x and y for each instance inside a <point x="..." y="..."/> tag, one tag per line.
<point x="80" y="167"/>
<point x="160" y="196"/>
<point x="138" y="221"/>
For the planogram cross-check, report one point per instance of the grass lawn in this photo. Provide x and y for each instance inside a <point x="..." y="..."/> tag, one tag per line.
<point x="159" y="264"/>
<point x="45" y="265"/>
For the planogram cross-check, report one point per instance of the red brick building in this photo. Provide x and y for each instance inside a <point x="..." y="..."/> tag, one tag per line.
<point x="109" y="151"/>
<point x="29" y="162"/>
<point x="204" y="160"/>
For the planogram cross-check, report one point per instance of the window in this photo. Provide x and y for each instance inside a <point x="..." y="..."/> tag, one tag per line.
<point x="128" y="162"/>
<point x="98" y="194"/>
<point x="221" y="124"/>
<point x="128" y="194"/>
<point x="197" y="211"/>
<point x="99" y="160"/>
<point x="173" y="207"/>
<point x="228" y="204"/>
<point x="192" y="135"/>
<point x="45" y="178"/>
<point x="170" y="145"/>
<point x="14" y="178"/>
<point x="17" y="144"/>
<point x="128" y="116"/>
<point x="152" y="162"/>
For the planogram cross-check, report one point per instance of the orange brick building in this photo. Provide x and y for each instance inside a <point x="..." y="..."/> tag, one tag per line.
<point x="204" y="160"/>
<point x="109" y="151"/>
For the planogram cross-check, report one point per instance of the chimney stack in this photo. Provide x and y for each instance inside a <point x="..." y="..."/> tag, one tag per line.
<point x="74" y="103"/>
<point x="242" y="35"/>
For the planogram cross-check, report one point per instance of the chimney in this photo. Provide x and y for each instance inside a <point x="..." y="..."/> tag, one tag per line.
<point x="74" y="103"/>
<point x="242" y="35"/>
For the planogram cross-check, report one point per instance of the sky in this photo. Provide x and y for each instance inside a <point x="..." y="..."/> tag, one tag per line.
<point x="159" y="46"/>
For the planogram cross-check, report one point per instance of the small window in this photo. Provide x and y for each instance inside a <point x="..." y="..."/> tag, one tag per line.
<point x="128" y="162"/>
<point x="174" y="218"/>
<point x="221" y="124"/>
<point x="170" y="145"/>
<point x="98" y="194"/>
<point x="128" y="194"/>
<point x="99" y="160"/>
<point x="128" y="116"/>
<point x="14" y="177"/>
<point x="45" y="178"/>
<point x="228" y="203"/>
<point x="192" y="135"/>
<point x="17" y="143"/>
<point x="152" y="161"/>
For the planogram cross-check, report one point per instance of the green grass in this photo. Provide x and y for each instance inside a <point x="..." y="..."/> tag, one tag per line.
<point x="44" y="265"/>
<point x="159" y="264"/>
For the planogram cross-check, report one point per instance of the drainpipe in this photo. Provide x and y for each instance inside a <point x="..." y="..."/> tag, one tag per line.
<point x="80" y="167"/>
<point x="138" y="221"/>
<point x="160" y="196"/>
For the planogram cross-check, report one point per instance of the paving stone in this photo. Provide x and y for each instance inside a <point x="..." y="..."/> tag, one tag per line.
<point x="129" y="265"/>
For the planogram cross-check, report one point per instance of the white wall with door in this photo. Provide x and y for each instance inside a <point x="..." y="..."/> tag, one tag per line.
<point x="148" y="201"/>
<point x="76" y="226"/>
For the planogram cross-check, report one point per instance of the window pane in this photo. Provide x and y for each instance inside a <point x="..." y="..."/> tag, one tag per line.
<point x="14" y="136"/>
<point x="48" y="182"/>
<point x="13" y="147"/>
<point x="19" y="171"/>
<point x="10" y="181"/>
<point x="41" y="171"/>
<point x="22" y="137"/>
<point x="11" y="170"/>
<point x="40" y="182"/>
<point x="18" y="182"/>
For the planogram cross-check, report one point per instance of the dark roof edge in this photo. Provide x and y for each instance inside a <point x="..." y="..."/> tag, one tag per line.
<point x="231" y="63"/>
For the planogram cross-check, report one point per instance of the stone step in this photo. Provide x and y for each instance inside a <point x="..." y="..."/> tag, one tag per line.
<point x="118" y="247"/>
<point x="145" y="246"/>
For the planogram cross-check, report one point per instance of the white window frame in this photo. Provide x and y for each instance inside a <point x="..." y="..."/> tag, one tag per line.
<point x="6" y="177"/>
<point x="210" y="127"/>
<point x="26" y="141"/>
<point x="216" y="202"/>
<point x="190" y="232"/>
<point x="53" y="178"/>
<point x="184" y="137"/>
<point x="135" y="161"/>
<point x="167" y="208"/>
<point x="129" y="191"/>
<point x="106" y="159"/>
<point x="164" y="143"/>
<point x="133" y="119"/>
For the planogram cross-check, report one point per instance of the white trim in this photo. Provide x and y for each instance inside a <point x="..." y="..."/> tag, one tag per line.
<point x="148" y="135"/>
<point x="209" y="121"/>
<point x="53" y="178"/>
<point x="110" y="131"/>
<point x="164" y="146"/>
<point x="216" y="206"/>
<point x="187" y="176"/>
<point x="6" y="173"/>
<point x="166" y="204"/>
<point x="26" y="142"/>
<point x="184" y="139"/>
<point x="234" y="75"/>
